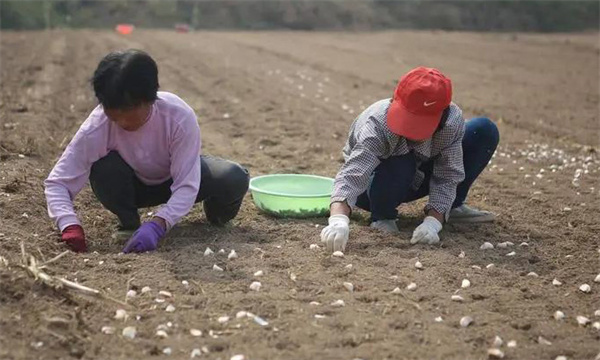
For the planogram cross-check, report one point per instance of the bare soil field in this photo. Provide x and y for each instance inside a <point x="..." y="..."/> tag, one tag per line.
<point x="282" y="102"/>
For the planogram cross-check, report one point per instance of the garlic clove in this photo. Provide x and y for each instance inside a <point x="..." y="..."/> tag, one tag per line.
<point x="255" y="286"/>
<point x="486" y="246"/>
<point x="129" y="332"/>
<point x="466" y="321"/>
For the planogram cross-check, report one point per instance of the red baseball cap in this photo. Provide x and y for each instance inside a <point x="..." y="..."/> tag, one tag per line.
<point x="420" y="98"/>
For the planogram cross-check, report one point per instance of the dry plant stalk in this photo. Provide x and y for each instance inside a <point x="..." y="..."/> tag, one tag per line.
<point x="31" y="266"/>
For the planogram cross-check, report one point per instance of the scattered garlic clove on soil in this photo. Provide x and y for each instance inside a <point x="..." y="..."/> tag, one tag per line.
<point x="146" y="289"/>
<point x="170" y="308"/>
<point x="349" y="266"/>
<point x="561" y="357"/>
<point x="167" y="351"/>
<point x="597" y="313"/>
<point x="533" y="274"/>
<point x="523" y="244"/>
<point x="555" y="282"/>
<point x="497" y="342"/>
<point x="582" y="320"/>
<point x="495" y="354"/>
<point x="185" y="283"/>
<point x="293" y="277"/>
<point x="489" y="266"/>
<point x="512" y="344"/>
<point x="597" y="279"/>
<point x="466" y="321"/>
<point x="238" y="357"/>
<point x="165" y="293"/>
<point x="314" y="247"/>
<point x="241" y="314"/>
<point x="411" y="286"/>
<point x="559" y="315"/>
<point x="501" y="245"/>
<point x="396" y="291"/>
<point x="465" y="283"/>
<point x="461" y="255"/>
<point x="337" y="254"/>
<point x="457" y="298"/>
<point x="512" y="253"/>
<point x="255" y="286"/>
<point x="596" y="325"/>
<point x="232" y="255"/>
<point x="418" y="265"/>
<point x="585" y="288"/>
<point x="259" y="273"/>
<point x="121" y="314"/>
<point x="217" y="268"/>
<point x="195" y="353"/>
<point x="195" y="332"/>
<point x="222" y="251"/>
<point x="131" y="294"/>
<point x="438" y="319"/>
<point x="543" y="341"/>
<point x="338" y="303"/>
<point x="208" y="251"/>
<point x="349" y="286"/>
<point x="108" y="330"/>
<point x="314" y="303"/>
<point x="223" y="319"/>
<point x="476" y="267"/>
<point x="129" y="332"/>
<point x="486" y="246"/>
<point x="162" y="334"/>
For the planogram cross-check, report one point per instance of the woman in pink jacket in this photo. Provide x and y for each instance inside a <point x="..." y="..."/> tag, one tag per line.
<point x="140" y="147"/>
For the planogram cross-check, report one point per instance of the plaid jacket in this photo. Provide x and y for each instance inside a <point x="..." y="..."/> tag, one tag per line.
<point x="370" y="141"/>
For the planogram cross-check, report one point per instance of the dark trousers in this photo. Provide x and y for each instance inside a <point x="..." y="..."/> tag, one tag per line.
<point x="391" y="181"/>
<point x="223" y="185"/>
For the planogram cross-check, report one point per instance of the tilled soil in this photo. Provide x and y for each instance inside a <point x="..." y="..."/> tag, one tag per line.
<point x="282" y="102"/>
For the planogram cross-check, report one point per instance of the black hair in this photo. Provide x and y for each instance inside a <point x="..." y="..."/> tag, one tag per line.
<point x="125" y="79"/>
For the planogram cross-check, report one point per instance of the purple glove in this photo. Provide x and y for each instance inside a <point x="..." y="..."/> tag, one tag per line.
<point x="145" y="238"/>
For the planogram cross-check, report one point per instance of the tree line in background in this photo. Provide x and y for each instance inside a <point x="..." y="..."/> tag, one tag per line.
<point x="482" y="15"/>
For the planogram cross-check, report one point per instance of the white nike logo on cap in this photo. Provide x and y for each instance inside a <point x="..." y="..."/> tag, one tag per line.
<point x="426" y="104"/>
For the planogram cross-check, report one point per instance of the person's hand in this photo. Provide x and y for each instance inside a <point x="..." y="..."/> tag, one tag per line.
<point x="427" y="232"/>
<point x="335" y="236"/>
<point x="145" y="238"/>
<point x="74" y="237"/>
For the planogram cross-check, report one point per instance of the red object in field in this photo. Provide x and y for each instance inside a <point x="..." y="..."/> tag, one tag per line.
<point x="182" y="28"/>
<point x="124" y="29"/>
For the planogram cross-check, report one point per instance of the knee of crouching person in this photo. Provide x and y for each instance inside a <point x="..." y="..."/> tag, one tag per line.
<point x="488" y="130"/>
<point x="238" y="179"/>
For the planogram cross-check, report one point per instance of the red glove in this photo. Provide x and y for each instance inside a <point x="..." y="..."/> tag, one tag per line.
<point x="73" y="236"/>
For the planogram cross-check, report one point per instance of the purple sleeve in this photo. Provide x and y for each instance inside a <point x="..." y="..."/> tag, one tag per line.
<point x="185" y="171"/>
<point x="70" y="175"/>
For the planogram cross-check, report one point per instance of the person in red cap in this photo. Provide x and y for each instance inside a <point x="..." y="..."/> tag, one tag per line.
<point x="405" y="148"/>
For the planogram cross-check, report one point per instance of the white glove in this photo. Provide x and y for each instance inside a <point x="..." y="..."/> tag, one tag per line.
<point x="335" y="236"/>
<point x="427" y="232"/>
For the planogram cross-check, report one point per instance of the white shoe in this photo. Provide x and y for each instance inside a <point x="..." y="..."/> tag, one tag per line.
<point x="466" y="214"/>
<point x="386" y="226"/>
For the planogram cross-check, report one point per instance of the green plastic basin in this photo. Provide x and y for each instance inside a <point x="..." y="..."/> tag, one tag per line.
<point x="292" y="195"/>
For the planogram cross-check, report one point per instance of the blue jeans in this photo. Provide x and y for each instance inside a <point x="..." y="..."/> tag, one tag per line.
<point x="391" y="181"/>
